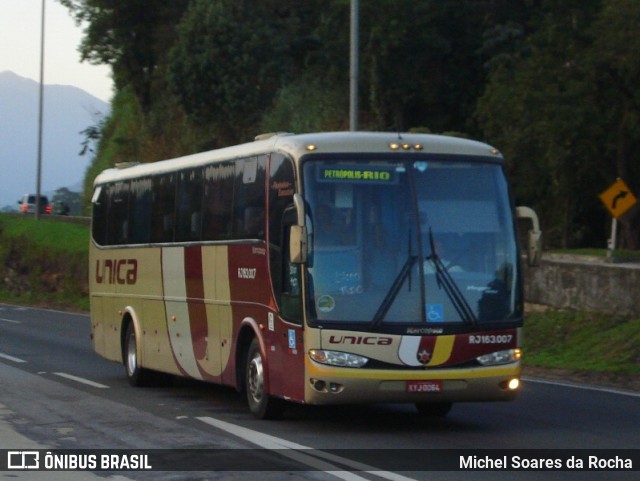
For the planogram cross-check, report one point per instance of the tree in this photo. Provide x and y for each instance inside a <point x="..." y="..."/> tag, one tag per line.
<point x="422" y="63"/>
<point x="615" y="76"/>
<point x="538" y="107"/>
<point x="129" y="36"/>
<point x="231" y="58"/>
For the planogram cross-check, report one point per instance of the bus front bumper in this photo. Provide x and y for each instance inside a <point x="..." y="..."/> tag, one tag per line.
<point x="332" y="385"/>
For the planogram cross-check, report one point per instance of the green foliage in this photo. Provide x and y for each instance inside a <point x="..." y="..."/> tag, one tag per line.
<point x="420" y="63"/>
<point x="44" y="262"/>
<point x="130" y="36"/>
<point x="582" y="341"/>
<point x="230" y="59"/>
<point x="308" y="105"/>
<point x="556" y="111"/>
<point x="56" y="238"/>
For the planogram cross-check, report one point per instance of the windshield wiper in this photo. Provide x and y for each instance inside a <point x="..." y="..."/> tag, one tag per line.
<point x="393" y="291"/>
<point x="450" y="287"/>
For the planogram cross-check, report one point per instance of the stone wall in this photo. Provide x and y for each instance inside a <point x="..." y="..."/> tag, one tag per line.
<point x="584" y="283"/>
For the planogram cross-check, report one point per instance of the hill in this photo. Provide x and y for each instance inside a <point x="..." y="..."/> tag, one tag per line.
<point x="67" y="112"/>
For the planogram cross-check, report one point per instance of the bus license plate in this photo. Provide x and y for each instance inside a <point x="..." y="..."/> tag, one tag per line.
<point x="424" y="386"/>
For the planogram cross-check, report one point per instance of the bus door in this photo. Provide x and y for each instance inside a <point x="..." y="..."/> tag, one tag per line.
<point x="286" y="356"/>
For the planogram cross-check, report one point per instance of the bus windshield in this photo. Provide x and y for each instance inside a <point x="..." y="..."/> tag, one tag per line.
<point x="428" y="241"/>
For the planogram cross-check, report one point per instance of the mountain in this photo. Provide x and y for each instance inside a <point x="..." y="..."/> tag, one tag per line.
<point x="68" y="111"/>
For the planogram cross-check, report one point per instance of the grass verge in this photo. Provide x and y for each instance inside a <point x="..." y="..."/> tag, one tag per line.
<point x="583" y="346"/>
<point x="44" y="262"/>
<point x="581" y="340"/>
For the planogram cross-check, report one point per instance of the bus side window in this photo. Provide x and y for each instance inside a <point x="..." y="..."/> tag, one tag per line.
<point x="118" y="217"/>
<point x="140" y="211"/>
<point x="189" y="205"/>
<point x="163" y="208"/>
<point x="249" y="198"/>
<point x="99" y="218"/>
<point x="218" y="201"/>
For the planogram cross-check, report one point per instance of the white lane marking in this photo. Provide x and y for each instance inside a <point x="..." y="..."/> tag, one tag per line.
<point x="587" y="387"/>
<point x="271" y="442"/>
<point x="10" y="320"/>
<point x="8" y="307"/>
<point x="81" y="380"/>
<point x="11" y="358"/>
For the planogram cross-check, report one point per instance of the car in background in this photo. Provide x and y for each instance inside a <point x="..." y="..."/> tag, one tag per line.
<point x="28" y="204"/>
<point x="60" y="208"/>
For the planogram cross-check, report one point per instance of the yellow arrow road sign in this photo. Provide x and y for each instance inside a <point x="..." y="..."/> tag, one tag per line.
<point x="618" y="198"/>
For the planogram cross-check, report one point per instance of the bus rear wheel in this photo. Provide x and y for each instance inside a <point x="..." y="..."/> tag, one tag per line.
<point x="136" y="375"/>
<point x="261" y="404"/>
<point x="434" y="409"/>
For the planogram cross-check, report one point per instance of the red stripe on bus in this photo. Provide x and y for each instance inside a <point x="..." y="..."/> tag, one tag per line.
<point x="195" y="298"/>
<point x="428" y="343"/>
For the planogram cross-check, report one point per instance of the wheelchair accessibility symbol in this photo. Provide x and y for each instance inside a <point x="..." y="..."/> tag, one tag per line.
<point x="435" y="313"/>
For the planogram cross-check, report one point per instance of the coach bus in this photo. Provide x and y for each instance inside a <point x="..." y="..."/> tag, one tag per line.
<point x="320" y="268"/>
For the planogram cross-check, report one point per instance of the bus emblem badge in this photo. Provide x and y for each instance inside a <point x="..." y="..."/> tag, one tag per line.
<point x="423" y="356"/>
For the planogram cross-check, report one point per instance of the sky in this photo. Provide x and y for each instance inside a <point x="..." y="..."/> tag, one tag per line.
<point x="20" y="22"/>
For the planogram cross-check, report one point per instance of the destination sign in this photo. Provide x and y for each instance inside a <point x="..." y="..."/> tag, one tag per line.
<point x="359" y="174"/>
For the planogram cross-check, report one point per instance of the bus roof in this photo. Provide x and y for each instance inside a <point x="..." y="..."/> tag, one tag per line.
<point x="299" y="145"/>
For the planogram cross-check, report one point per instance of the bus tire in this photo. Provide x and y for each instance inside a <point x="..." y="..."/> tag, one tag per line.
<point x="136" y="375"/>
<point x="434" y="409"/>
<point x="261" y="405"/>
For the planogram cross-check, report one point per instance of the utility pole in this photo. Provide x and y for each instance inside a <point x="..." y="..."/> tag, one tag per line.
<point x="354" y="60"/>
<point x="40" y="117"/>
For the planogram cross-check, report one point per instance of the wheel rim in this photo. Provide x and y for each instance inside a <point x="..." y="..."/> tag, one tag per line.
<point x="255" y="379"/>
<point x="132" y="358"/>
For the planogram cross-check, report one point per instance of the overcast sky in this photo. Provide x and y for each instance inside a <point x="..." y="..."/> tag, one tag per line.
<point x="20" y="47"/>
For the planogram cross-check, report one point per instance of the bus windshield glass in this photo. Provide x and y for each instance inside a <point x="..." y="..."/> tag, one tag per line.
<point x="429" y="241"/>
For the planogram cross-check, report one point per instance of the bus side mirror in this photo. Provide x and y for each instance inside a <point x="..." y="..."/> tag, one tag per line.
<point x="298" y="244"/>
<point x="298" y="247"/>
<point x="534" y="235"/>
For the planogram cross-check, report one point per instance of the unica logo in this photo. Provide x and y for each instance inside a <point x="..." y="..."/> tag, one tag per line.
<point x="116" y="271"/>
<point x="367" y="340"/>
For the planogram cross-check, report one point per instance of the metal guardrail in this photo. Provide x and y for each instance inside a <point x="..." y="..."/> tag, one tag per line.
<point x="71" y="219"/>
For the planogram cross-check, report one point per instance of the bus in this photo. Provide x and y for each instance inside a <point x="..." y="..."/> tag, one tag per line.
<point x="326" y="268"/>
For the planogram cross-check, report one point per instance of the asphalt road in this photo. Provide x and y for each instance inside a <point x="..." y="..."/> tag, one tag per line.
<point x="56" y="392"/>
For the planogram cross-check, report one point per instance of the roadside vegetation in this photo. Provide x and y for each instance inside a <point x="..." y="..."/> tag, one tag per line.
<point x="587" y="346"/>
<point x="45" y="263"/>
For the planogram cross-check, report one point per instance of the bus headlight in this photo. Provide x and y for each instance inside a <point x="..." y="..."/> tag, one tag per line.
<point x="500" y="357"/>
<point x="334" y="358"/>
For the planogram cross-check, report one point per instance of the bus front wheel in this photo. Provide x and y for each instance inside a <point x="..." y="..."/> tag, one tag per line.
<point x="261" y="404"/>
<point x="136" y="375"/>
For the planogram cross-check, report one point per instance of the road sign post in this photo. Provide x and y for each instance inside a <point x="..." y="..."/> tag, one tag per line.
<point x="618" y="199"/>
<point x="611" y="242"/>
